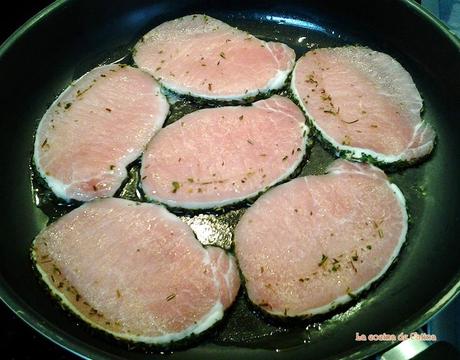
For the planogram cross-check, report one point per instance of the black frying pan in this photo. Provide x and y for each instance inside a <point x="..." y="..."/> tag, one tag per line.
<point x="70" y="37"/>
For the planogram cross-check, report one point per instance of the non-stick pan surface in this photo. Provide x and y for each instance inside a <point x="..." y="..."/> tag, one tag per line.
<point x="70" y="37"/>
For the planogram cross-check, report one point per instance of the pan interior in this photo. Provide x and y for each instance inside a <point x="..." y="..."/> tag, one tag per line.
<point x="399" y="295"/>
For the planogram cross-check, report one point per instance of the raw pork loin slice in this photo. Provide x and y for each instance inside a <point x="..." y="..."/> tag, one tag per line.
<point x="215" y="157"/>
<point x="363" y="103"/>
<point x="136" y="271"/>
<point x="200" y="56"/>
<point x="95" y="128"/>
<point x="316" y="241"/>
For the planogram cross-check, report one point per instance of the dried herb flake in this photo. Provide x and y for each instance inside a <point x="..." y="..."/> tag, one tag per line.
<point x="175" y="186"/>
<point x="323" y="260"/>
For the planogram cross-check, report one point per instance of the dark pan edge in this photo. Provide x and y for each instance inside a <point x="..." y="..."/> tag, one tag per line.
<point x="28" y="24"/>
<point x="413" y="6"/>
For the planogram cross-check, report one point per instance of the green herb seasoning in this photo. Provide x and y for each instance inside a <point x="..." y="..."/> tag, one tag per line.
<point x="45" y="144"/>
<point x="311" y="79"/>
<point x="175" y="186"/>
<point x="332" y="111"/>
<point x="350" y="294"/>
<point x="353" y="266"/>
<point x="56" y="270"/>
<point x="346" y="140"/>
<point x="323" y="260"/>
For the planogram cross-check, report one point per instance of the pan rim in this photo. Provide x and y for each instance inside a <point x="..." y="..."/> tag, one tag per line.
<point x="87" y="351"/>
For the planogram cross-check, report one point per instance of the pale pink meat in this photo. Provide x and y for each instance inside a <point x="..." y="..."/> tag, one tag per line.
<point x="204" y="57"/>
<point x="95" y="128"/>
<point x="135" y="270"/>
<point x="364" y="103"/>
<point x="215" y="157"/>
<point x="314" y="242"/>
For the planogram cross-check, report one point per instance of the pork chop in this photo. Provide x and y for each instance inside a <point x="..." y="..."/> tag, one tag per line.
<point x="95" y="128"/>
<point x="315" y="242"/>
<point x="219" y="156"/>
<point x="363" y="103"/>
<point x="204" y="57"/>
<point x="135" y="270"/>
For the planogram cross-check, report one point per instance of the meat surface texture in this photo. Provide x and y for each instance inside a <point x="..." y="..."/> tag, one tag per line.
<point x="136" y="271"/>
<point x="363" y="103"/>
<point x="95" y="128"/>
<point x="315" y="242"/>
<point x="215" y="157"/>
<point x="200" y="56"/>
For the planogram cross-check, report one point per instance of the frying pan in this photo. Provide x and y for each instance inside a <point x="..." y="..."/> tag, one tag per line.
<point x="70" y="37"/>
